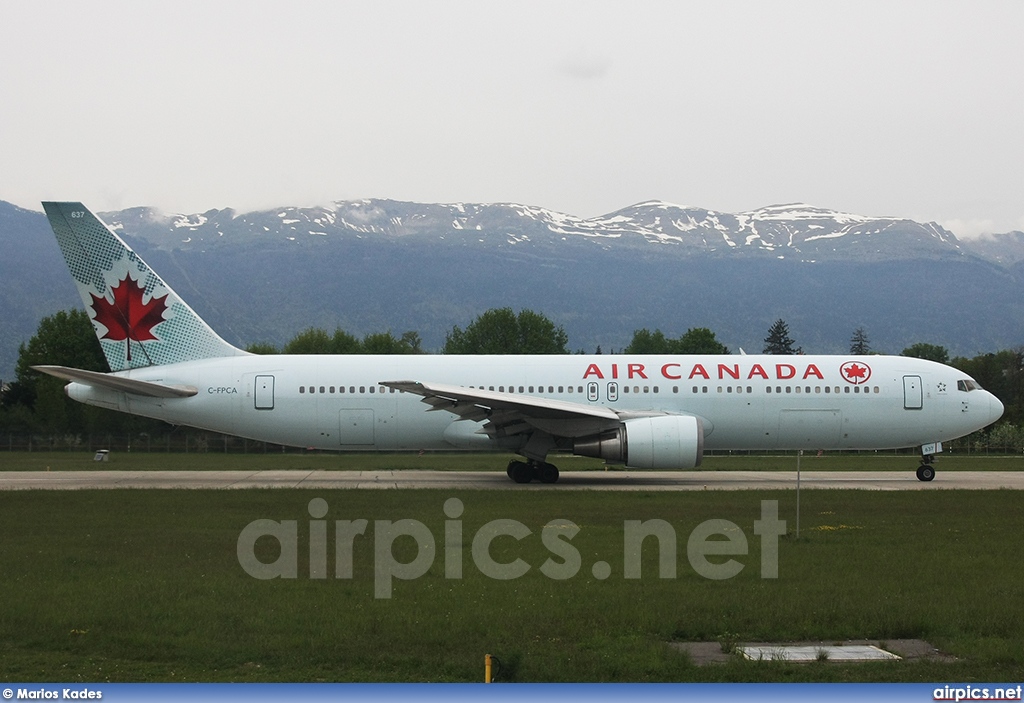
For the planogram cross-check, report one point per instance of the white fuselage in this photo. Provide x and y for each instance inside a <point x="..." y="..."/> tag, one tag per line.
<point x="745" y="402"/>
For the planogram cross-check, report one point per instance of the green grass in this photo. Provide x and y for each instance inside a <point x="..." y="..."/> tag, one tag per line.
<point x="471" y="461"/>
<point x="145" y="586"/>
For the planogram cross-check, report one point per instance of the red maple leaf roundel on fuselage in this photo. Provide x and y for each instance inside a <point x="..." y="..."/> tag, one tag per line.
<point x="855" y="372"/>
<point x="128" y="318"/>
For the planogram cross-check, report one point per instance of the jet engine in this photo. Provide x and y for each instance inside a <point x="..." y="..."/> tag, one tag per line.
<point x="659" y="442"/>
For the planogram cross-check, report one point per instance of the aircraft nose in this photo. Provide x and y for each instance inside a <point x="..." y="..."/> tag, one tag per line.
<point x="995" y="408"/>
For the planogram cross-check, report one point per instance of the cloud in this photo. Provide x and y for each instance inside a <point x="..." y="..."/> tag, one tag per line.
<point x="585" y="67"/>
<point x="969" y="228"/>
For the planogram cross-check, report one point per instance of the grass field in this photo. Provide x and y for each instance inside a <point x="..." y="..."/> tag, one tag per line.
<point x="467" y="461"/>
<point x="146" y="586"/>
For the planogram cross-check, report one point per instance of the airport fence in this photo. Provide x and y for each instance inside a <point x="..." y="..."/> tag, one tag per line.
<point x="176" y="442"/>
<point x="197" y="441"/>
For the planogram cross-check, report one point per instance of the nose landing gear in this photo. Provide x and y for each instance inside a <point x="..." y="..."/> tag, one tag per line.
<point x="926" y="472"/>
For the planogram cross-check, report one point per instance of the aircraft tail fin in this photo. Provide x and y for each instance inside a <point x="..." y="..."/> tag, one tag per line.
<point x="138" y="319"/>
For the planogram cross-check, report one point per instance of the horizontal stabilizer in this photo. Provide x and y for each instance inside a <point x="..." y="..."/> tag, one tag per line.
<point x="149" y="389"/>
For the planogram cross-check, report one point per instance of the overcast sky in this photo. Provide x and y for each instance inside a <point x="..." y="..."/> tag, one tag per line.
<point x="909" y="109"/>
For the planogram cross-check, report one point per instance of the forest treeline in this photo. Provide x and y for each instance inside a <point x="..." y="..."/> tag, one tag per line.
<point x="35" y="404"/>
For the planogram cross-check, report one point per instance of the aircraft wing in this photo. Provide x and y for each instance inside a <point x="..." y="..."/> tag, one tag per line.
<point x="118" y="383"/>
<point x="507" y="414"/>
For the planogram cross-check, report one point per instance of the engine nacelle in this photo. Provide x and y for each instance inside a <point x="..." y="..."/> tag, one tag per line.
<point x="660" y="442"/>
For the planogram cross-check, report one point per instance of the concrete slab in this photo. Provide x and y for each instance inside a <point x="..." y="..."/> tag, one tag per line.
<point x="850" y="651"/>
<point x="821" y="652"/>
<point x="705" y="653"/>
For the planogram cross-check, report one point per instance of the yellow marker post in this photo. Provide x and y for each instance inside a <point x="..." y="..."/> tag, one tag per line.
<point x="487" y="668"/>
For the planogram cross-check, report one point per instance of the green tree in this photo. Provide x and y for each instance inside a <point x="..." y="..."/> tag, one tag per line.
<point x="924" y="350"/>
<point x="317" y="341"/>
<point x="37" y="402"/>
<point x="700" y="340"/>
<point x="696" y="340"/>
<point x="261" y="348"/>
<point x="647" y="342"/>
<point x="1007" y="437"/>
<point x="778" y="340"/>
<point x="859" y="342"/>
<point x="309" y="341"/>
<point x="502" y="331"/>
<point x="387" y="343"/>
<point x="344" y="343"/>
<point x="65" y="338"/>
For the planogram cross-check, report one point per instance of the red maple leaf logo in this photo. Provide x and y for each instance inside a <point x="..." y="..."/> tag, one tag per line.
<point x="855" y="373"/>
<point x="128" y="318"/>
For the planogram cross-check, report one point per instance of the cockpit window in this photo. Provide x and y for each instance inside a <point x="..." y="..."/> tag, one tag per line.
<point x="968" y="384"/>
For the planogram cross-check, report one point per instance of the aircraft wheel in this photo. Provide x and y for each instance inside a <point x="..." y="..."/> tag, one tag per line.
<point x="547" y="473"/>
<point x="520" y="472"/>
<point x="925" y="472"/>
<point x="511" y="468"/>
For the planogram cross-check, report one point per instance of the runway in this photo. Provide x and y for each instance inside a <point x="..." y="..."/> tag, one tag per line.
<point x="489" y="480"/>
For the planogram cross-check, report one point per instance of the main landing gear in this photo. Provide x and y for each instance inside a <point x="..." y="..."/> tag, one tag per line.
<point x="526" y="471"/>
<point x="926" y="472"/>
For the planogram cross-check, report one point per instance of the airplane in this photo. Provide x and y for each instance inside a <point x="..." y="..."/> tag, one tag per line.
<point x="642" y="411"/>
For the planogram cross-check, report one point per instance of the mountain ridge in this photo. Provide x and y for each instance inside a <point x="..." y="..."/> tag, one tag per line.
<point x="377" y="265"/>
<point x="797" y="230"/>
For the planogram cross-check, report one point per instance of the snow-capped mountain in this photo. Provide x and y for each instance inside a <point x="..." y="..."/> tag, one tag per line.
<point x="377" y="265"/>
<point x="796" y="231"/>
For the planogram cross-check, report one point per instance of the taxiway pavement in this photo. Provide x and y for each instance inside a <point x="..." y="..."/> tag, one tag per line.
<point x="489" y="480"/>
